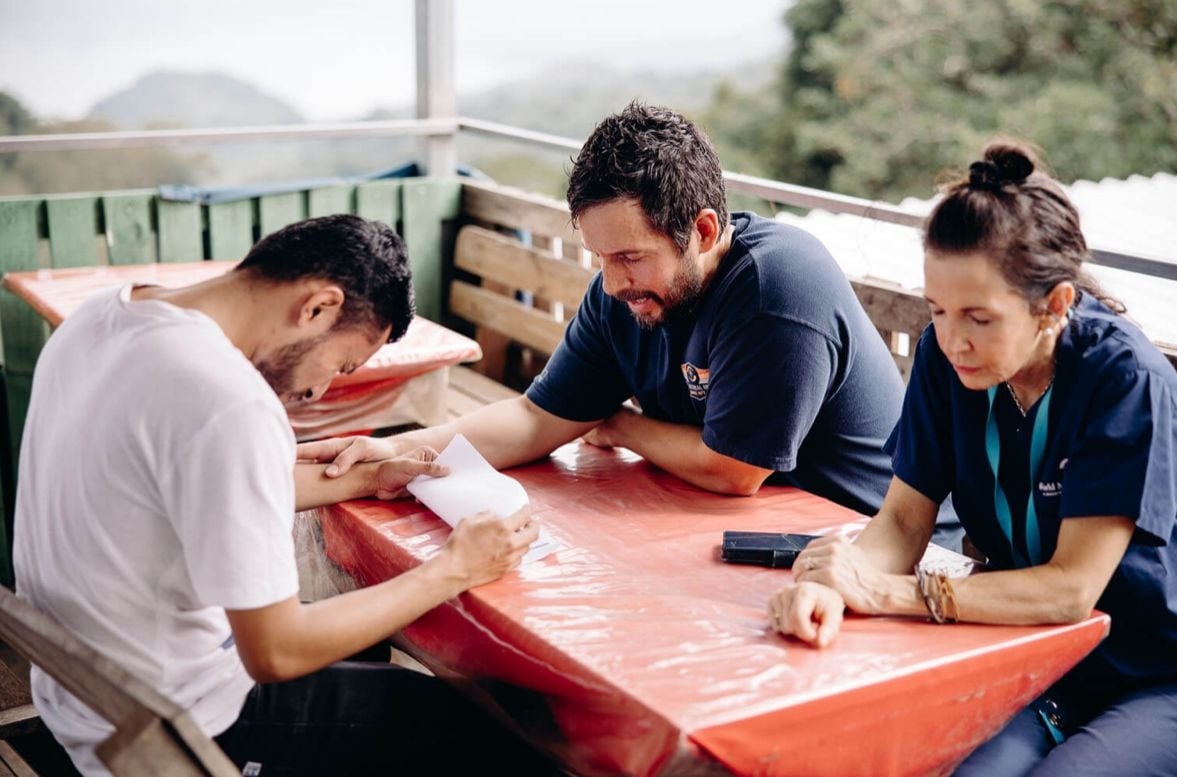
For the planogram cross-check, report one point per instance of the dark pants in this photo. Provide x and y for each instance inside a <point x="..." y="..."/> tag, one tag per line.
<point x="361" y="718"/>
<point x="1135" y="734"/>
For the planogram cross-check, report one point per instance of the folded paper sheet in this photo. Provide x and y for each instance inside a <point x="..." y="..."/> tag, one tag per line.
<point x="473" y="486"/>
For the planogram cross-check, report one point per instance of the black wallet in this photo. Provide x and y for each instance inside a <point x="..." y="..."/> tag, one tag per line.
<point x="767" y="549"/>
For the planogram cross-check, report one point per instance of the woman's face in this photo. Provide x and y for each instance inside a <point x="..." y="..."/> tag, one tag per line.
<point x="985" y="328"/>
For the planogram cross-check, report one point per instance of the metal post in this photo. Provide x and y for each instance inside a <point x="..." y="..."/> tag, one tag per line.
<point x="435" y="81"/>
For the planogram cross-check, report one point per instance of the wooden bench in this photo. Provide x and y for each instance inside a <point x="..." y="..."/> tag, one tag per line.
<point x="153" y="736"/>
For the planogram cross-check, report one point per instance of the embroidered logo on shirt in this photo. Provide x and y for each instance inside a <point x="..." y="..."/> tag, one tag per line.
<point x="251" y="769"/>
<point x="697" y="379"/>
<point x="1050" y="488"/>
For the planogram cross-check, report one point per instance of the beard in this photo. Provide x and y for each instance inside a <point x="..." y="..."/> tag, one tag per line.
<point x="683" y="293"/>
<point x="278" y="369"/>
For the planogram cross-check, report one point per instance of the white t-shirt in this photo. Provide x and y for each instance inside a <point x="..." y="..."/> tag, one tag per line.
<point x="156" y="490"/>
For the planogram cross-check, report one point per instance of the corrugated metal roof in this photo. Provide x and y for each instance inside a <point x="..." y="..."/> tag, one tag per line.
<point x="1136" y="216"/>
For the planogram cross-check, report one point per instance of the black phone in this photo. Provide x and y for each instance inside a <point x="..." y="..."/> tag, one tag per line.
<point x="766" y="549"/>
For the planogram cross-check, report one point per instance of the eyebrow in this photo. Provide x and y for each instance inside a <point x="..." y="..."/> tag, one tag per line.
<point x="972" y="309"/>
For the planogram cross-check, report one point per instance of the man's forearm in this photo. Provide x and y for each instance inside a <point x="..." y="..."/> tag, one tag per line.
<point x="506" y="433"/>
<point x="679" y="449"/>
<point x="313" y="489"/>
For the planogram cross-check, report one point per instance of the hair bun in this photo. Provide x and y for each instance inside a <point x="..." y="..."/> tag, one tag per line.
<point x="985" y="175"/>
<point x="1001" y="164"/>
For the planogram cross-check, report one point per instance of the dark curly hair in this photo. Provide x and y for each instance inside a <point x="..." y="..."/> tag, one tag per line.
<point x="657" y="157"/>
<point x="1010" y="211"/>
<point x="365" y="258"/>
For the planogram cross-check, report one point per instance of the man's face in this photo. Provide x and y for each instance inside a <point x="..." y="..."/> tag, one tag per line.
<point x="302" y="371"/>
<point x="640" y="266"/>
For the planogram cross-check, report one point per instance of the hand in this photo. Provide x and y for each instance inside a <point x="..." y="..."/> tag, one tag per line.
<point x="343" y="452"/>
<point x="394" y="474"/>
<point x="605" y="434"/>
<point x="484" y="546"/>
<point x="598" y="436"/>
<point x="809" y="611"/>
<point x="843" y="566"/>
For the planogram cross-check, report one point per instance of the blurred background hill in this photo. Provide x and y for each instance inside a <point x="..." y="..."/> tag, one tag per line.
<point x="864" y="97"/>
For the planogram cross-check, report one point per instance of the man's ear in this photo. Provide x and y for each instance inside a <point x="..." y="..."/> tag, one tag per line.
<point x="708" y="229"/>
<point x="321" y="307"/>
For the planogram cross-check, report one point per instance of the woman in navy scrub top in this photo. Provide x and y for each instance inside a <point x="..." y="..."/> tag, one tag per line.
<point x="1052" y="422"/>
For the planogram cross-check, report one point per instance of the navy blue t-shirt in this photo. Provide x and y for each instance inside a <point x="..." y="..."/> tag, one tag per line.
<point x="778" y="364"/>
<point x="1111" y="449"/>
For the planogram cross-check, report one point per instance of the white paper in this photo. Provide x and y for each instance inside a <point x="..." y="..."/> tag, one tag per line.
<point x="473" y="486"/>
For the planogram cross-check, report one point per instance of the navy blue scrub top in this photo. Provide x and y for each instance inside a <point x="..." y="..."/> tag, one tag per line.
<point x="1111" y="450"/>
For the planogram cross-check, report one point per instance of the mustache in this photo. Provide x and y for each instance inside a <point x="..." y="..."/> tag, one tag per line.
<point x="632" y="295"/>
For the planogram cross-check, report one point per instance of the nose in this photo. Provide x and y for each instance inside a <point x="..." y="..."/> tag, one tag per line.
<point x="613" y="278"/>
<point x="954" y="340"/>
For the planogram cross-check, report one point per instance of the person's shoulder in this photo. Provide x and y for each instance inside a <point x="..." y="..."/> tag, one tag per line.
<point x="767" y="240"/>
<point x="1114" y="347"/>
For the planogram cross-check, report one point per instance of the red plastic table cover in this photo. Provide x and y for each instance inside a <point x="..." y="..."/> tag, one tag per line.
<point x="364" y="399"/>
<point x="635" y="650"/>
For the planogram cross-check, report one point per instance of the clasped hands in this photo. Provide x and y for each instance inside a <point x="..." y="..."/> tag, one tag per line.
<point x="829" y="576"/>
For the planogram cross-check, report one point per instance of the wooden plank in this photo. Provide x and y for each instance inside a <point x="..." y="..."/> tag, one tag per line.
<point x="12" y="764"/>
<point x="479" y="387"/>
<point x="380" y="200"/>
<point x="180" y="236"/>
<point x="519" y="210"/>
<point x="73" y="225"/>
<point x="23" y="331"/>
<point x="129" y="236"/>
<point x="329" y="200"/>
<point x="525" y="325"/>
<point x="499" y="258"/>
<point x="427" y="204"/>
<point x="230" y="229"/>
<point x="111" y="691"/>
<point x="892" y="308"/>
<point x="279" y="210"/>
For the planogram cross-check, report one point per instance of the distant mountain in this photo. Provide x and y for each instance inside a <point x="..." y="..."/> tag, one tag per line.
<point x="570" y="99"/>
<point x="192" y="100"/>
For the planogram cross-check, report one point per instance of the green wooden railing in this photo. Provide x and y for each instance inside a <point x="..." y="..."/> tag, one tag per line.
<point x="130" y="227"/>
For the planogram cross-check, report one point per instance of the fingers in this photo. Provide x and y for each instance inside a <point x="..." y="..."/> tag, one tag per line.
<point x="829" y="615"/>
<point x="518" y="519"/>
<point x="346" y="457"/>
<point x="322" y="450"/>
<point x="807" y="611"/>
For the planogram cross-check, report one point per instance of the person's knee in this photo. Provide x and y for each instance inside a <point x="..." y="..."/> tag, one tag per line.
<point x="1012" y="752"/>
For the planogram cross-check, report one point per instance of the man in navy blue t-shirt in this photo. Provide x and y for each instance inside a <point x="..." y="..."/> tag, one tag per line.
<point x="744" y="348"/>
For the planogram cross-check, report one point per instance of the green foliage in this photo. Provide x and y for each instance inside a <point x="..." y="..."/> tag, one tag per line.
<point x="877" y="96"/>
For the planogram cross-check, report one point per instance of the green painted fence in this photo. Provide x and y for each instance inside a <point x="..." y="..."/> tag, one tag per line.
<point x="79" y="230"/>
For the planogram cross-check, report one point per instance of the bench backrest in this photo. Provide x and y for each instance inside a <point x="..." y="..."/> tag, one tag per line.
<point x="153" y="736"/>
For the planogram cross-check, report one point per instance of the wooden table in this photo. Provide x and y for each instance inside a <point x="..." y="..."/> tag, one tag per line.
<point x="404" y="382"/>
<point x="635" y="650"/>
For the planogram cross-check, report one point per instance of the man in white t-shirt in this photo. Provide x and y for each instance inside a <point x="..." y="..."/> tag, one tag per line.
<point x="157" y="491"/>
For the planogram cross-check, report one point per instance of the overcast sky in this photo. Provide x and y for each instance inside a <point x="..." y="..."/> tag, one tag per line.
<point x="340" y="59"/>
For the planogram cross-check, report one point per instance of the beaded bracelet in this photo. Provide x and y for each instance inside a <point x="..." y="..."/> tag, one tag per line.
<point x="936" y="590"/>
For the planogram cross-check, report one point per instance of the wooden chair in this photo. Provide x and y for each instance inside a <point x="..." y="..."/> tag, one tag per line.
<point x="153" y="736"/>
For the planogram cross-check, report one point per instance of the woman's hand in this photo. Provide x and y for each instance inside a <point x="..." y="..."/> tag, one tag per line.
<point x="394" y="474"/>
<point x="839" y="564"/>
<point x="808" y="611"/>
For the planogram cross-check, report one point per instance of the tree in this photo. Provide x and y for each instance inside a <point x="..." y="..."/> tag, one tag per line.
<point x="877" y="96"/>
